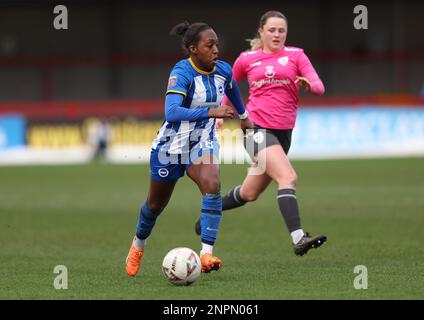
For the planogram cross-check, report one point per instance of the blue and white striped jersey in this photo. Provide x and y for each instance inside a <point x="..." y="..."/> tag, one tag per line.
<point x="200" y="90"/>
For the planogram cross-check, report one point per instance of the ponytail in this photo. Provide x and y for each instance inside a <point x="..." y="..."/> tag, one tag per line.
<point x="255" y="43"/>
<point x="180" y="29"/>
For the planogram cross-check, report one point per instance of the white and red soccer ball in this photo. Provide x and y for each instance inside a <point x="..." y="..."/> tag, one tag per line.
<point x="181" y="266"/>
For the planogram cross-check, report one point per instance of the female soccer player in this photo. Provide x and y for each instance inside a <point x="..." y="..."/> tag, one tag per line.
<point x="186" y="142"/>
<point x="274" y="72"/>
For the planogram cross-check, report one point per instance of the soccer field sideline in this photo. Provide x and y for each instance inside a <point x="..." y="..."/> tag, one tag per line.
<point x="83" y="217"/>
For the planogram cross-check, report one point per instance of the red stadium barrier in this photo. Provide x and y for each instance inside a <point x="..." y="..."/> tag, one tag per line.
<point x="73" y="110"/>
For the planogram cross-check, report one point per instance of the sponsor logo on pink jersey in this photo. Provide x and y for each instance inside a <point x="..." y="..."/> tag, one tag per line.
<point x="269" y="71"/>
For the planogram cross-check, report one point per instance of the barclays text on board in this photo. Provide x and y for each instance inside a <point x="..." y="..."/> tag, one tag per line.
<point x="358" y="132"/>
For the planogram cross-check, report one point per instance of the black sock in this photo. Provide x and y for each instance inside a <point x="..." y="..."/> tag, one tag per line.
<point x="289" y="209"/>
<point x="232" y="199"/>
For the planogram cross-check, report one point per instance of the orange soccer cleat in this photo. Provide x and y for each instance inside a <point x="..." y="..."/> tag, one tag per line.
<point x="133" y="261"/>
<point x="210" y="262"/>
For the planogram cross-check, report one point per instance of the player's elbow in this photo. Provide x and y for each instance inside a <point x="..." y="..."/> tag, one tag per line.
<point x="171" y="114"/>
<point x="169" y="117"/>
<point x="318" y="89"/>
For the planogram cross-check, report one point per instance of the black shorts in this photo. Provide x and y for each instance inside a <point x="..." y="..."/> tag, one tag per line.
<point x="260" y="138"/>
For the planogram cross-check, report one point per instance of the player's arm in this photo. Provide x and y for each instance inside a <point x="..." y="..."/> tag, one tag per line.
<point x="238" y="73"/>
<point x="174" y="111"/>
<point x="308" y="79"/>
<point x="178" y="86"/>
<point x="233" y="93"/>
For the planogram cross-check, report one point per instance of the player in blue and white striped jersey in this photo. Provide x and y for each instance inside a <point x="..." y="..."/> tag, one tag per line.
<point x="191" y="93"/>
<point x="187" y="142"/>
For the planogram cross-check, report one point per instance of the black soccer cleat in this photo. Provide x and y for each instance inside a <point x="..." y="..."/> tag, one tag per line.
<point x="197" y="227"/>
<point x="307" y="242"/>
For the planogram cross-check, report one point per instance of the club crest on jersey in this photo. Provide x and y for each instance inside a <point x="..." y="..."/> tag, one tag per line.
<point x="283" y="60"/>
<point x="172" y="82"/>
<point x="163" y="172"/>
<point x="269" y="71"/>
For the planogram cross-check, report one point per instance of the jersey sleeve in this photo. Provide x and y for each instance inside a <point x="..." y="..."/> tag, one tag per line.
<point x="224" y="69"/>
<point x="178" y="81"/>
<point x="174" y="111"/>
<point x="233" y="94"/>
<point x="232" y="91"/>
<point x="239" y="69"/>
<point x="237" y="73"/>
<point x="306" y="70"/>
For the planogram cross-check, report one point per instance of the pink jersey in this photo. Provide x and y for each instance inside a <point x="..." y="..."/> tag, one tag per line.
<point x="273" y="95"/>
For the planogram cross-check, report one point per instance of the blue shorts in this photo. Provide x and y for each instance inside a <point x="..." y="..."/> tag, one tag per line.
<point x="168" y="167"/>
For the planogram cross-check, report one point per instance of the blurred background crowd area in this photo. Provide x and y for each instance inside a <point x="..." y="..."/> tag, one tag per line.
<point x="122" y="49"/>
<point x="113" y="61"/>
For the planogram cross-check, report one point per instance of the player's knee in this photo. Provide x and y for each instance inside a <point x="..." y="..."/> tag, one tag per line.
<point x="249" y="195"/>
<point x="156" y="205"/>
<point x="292" y="180"/>
<point x="210" y="185"/>
<point x="288" y="180"/>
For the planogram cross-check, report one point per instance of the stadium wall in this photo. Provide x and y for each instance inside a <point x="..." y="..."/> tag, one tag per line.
<point x="324" y="131"/>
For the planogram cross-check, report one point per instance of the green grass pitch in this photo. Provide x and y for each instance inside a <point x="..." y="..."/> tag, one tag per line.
<point x="84" y="217"/>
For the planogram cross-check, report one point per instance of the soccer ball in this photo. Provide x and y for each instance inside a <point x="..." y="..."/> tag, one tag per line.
<point x="181" y="266"/>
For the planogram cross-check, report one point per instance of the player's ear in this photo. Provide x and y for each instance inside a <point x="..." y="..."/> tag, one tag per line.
<point x="193" y="49"/>
<point x="260" y="31"/>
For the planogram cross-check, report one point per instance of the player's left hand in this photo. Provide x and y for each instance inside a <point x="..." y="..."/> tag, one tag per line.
<point x="304" y="83"/>
<point x="246" y="124"/>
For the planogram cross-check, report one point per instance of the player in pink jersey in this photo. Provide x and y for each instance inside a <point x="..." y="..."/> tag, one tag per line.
<point x="275" y="72"/>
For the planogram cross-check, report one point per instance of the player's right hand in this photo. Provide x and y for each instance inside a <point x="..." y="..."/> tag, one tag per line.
<point x="221" y="112"/>
<point x="246" y="124"/>
<point x="218" y="123"/>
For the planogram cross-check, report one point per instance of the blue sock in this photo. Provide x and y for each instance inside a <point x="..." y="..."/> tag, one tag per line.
<point x="146" y="221"/>
<point x="210" y="217"/>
